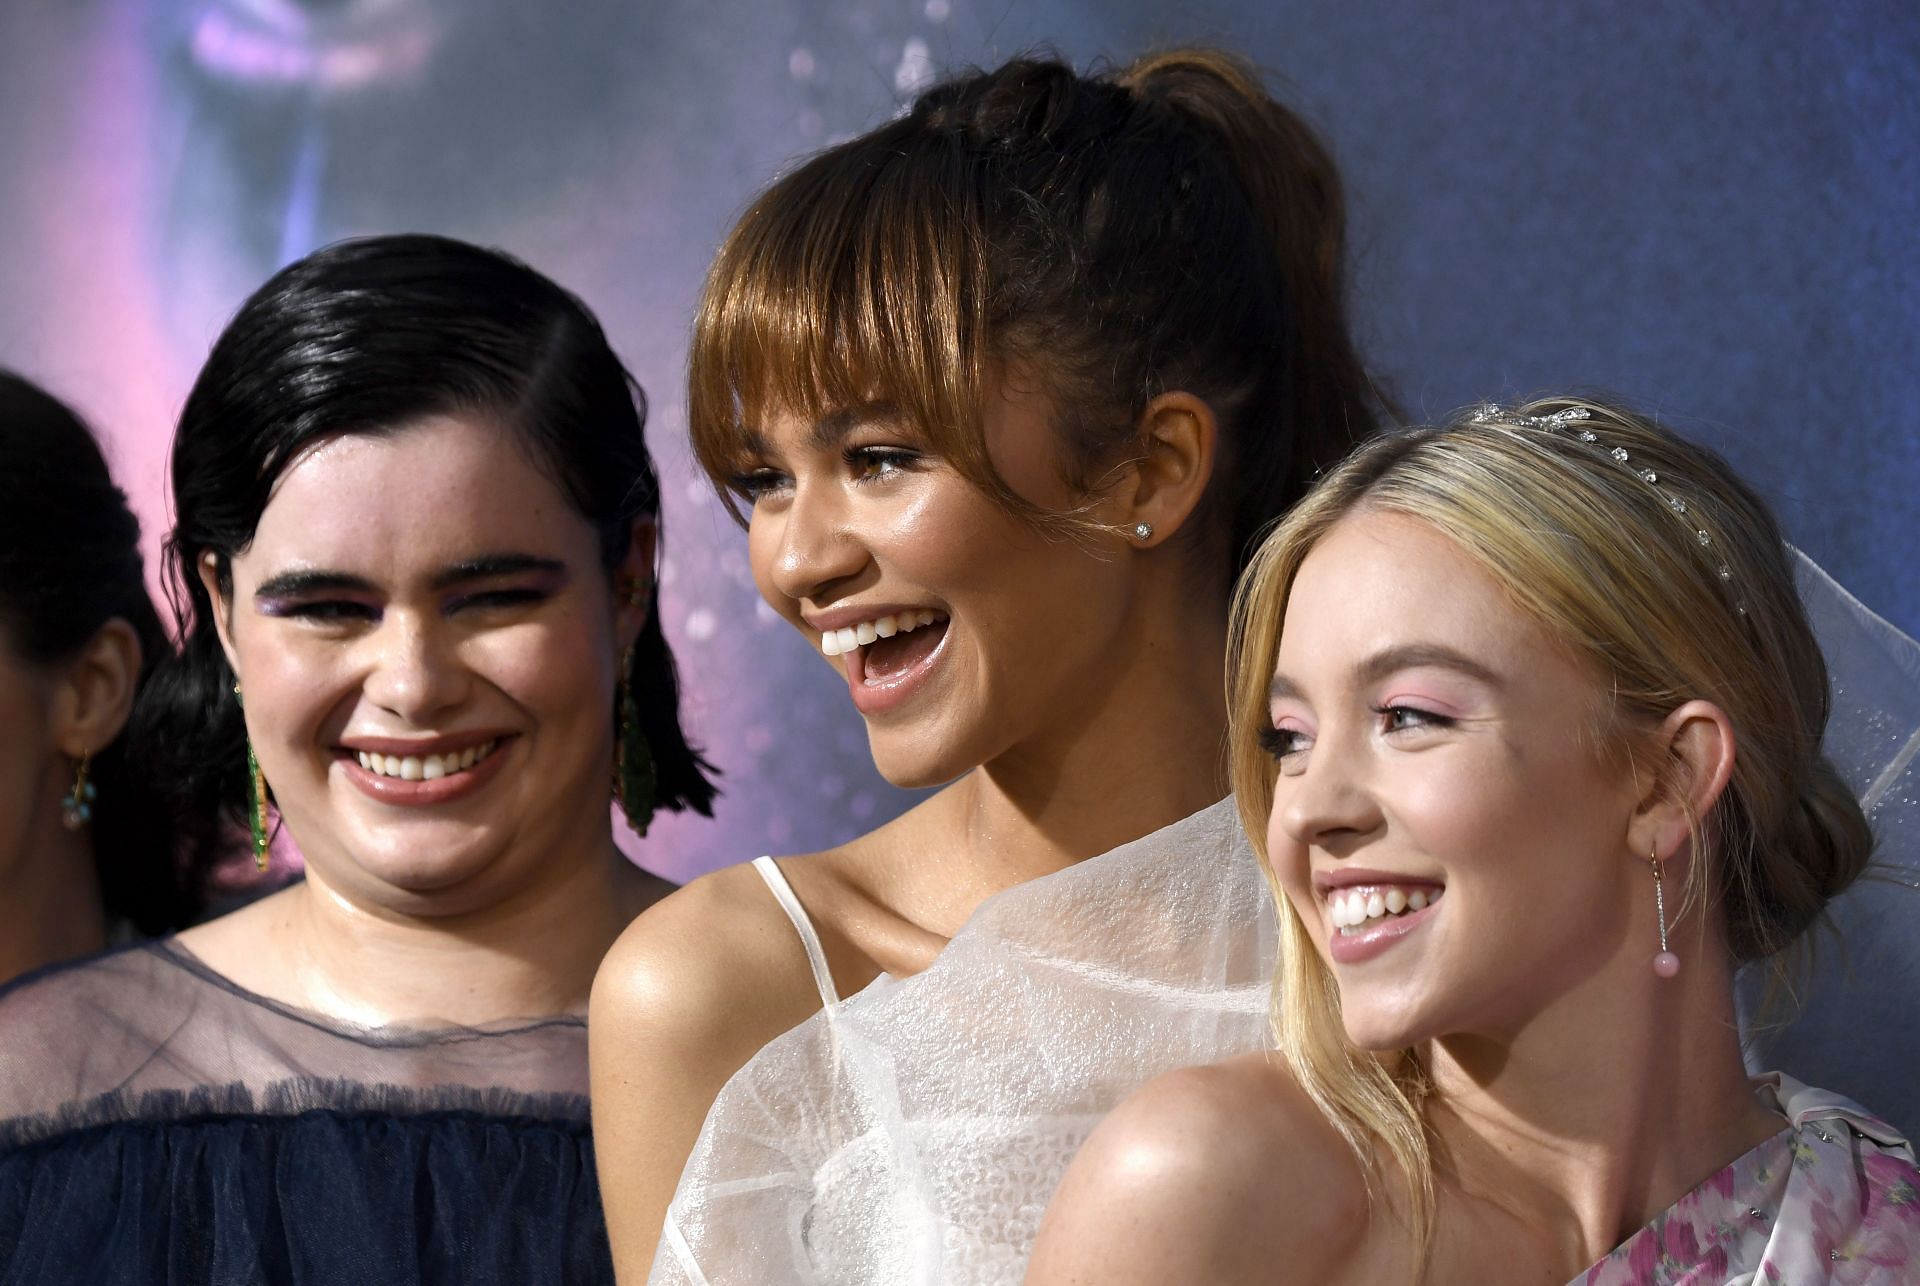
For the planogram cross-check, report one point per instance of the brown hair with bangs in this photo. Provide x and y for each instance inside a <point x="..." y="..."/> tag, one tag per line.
<point x="1167" y="226"/>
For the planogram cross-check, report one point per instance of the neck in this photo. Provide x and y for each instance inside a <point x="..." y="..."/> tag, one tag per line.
<point x="50" y="903"/>
<point x="1590" y="1139"/>
<point x="1141" y="748"/>
<point x="529" y="955"/>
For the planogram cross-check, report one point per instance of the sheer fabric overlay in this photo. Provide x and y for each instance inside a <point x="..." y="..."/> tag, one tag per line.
<point x="159" y="1124"/>
<point x="914" y="1132"/>
<point x="1855" y="1025"/>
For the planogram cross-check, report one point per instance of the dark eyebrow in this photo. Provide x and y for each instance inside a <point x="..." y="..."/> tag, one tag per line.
<point x="313" y="581"/>
<point x="1406" y="656"/>
<point x="310" y="581"/>
<point x="830" y="428"/>
<point x="488" y="566"/>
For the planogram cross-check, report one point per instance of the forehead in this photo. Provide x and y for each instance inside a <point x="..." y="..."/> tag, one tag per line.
<point x="1379" y="580"/>
<point x="443" y="489"/>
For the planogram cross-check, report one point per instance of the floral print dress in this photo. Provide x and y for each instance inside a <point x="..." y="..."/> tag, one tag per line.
<point x="1833" y="1198"/>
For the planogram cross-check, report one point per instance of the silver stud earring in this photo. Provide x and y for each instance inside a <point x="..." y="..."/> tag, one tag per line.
<point x="1143" y="531"/>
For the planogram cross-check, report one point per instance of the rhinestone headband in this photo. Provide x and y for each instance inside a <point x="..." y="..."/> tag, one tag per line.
<point x="1563" y="422"/>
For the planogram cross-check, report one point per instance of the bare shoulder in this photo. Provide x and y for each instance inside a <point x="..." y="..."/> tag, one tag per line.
<point x="715" y="960"/>
<point x="688" y="994"/>
<point x="1214" y="1173"/>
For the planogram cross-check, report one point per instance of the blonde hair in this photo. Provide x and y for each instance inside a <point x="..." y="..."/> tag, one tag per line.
<point x="1114" y="236"/>
<point x="1647" y="558"/>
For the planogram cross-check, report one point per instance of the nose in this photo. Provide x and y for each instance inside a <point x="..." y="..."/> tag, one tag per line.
<point x="815" y="547"/>
<point x="1327" y="804"/>
<point x="414" y="669"/>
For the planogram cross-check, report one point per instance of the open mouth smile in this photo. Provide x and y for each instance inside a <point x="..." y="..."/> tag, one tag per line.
<point x="886" y="657"/>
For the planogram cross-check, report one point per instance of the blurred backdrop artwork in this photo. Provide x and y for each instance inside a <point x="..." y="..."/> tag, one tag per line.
<point x="1709" y="209"/>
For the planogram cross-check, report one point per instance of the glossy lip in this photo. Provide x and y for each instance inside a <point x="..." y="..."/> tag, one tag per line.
<point x="1377" y="938"/>
<point x="420" y="794"/>
<point x="872" y="699"/>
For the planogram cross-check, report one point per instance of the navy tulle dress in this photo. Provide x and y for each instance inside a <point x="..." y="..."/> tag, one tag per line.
<point x="160" y="1125"/>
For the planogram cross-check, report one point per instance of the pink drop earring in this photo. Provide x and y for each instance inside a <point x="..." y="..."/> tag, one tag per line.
<point x="1666" y="964"/>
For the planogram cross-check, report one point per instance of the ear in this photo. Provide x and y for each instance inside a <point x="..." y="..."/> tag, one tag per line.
<point x="633" y="583"/>
<point x="1178" y="438"/>
<point x="94" y="692"/>
<point x="222" y="604"/>
<point x="1694" y="752"/>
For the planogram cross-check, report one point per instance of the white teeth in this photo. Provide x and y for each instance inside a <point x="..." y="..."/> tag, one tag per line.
<point x="1350" y="910"/>
<point x="837" y="642"/>
<point x="424" y="767"/>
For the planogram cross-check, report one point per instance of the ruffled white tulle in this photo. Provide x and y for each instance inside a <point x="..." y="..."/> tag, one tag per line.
<point x="915" y="1133"/>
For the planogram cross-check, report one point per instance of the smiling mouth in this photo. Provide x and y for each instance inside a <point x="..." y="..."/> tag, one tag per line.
<point x="884" y="649"/>
<point x="1355" y="910"/>
<point x="426" y="767"/>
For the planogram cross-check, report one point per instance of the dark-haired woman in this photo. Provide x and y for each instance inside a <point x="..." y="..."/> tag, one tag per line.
<point x="86" y="847"/>
<point x="1005" y="389"/>
<point x="416" y="526"/>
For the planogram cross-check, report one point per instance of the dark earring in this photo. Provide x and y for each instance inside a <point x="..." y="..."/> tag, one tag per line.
<point x="256" y="802"/>
<point x="634" y="779"/>
<point x="76" y="809"/>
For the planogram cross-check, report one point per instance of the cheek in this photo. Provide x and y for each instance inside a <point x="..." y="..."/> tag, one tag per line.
<point x="563" y="669"/>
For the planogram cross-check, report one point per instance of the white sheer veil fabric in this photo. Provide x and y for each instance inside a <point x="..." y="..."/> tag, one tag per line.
<point x="1857" y="1026"/>
<point x="915" y="1133"/>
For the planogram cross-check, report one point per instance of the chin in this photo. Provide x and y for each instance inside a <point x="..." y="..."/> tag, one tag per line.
<point x="918" y="760"/>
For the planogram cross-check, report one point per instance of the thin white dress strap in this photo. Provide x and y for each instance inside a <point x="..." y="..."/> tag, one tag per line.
<point x="816" y="954"/>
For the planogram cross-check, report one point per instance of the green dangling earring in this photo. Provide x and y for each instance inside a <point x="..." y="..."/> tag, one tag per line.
<point x="634" y="778"/>
<point x="256" y="801"/>
<point x="76" y="806"/>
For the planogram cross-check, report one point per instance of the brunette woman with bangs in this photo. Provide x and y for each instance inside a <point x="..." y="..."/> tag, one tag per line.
<point x="1002" y="392"/>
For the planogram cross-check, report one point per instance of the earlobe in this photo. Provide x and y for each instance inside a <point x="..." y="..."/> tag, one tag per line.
<point x="1178" y="439"/>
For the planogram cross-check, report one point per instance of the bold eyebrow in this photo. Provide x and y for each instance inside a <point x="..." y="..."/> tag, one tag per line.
<point x="489" y="566"/>
<point x="830" y="428"/>
<point x="312" y="581"/>
<point x="1406" y="656"/>
<point x="309" y="581"/>
<point x="825" y="433"/>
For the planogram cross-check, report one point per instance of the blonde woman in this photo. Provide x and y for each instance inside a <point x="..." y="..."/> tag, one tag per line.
<point x="1526" y="725"/>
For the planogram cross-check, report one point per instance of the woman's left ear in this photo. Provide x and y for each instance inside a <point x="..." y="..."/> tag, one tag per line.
<point x="633" y="582"/>
<point x="1695" y="749"/>
<point x="1178" y="438"/>
<point x="94" y="695"/>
